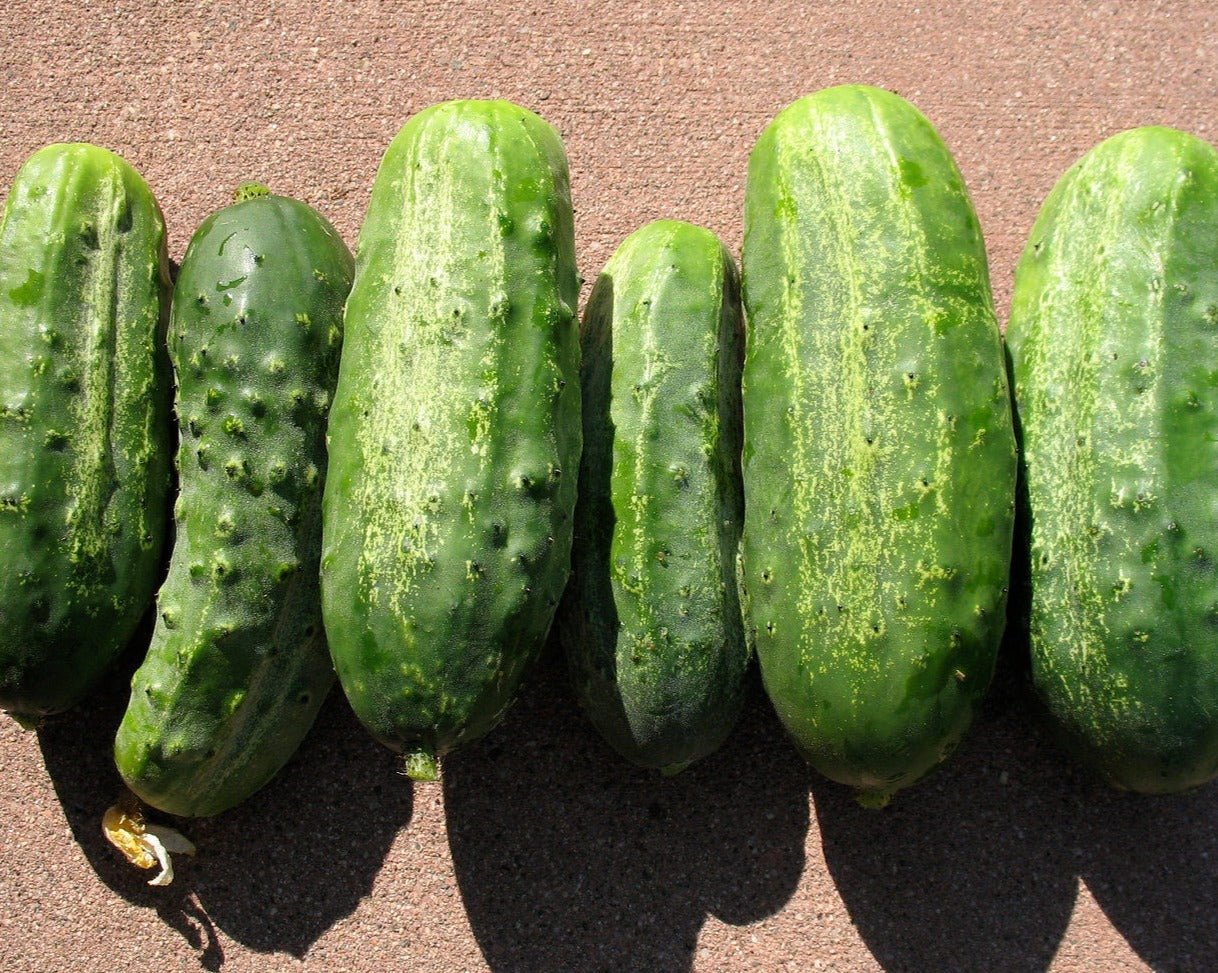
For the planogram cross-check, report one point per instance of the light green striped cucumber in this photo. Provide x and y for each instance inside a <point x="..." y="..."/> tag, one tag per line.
<point x="85" y="430"/>
<point x="455" y="432"/>
<point x="1114" y="342"/>
<point x="238" y="665"/>
<point x="879" y="457"/>
<point x="652" y="623"/>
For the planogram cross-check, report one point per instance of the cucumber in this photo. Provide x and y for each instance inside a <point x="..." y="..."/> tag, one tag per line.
<point x="879" y="456"/>
<point x="455" y="432"/>
<point x="85" y="429"/>
<point x="1114" y="343"/>
<point x="651" y="622"/>
<point x="238" y="665"/>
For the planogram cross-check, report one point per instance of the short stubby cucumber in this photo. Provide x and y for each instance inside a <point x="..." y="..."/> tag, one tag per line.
<point x="651" y="622"/>
<point x="879" y="456"/>
<point x="85" y="429"/>
<point x="1114" y="343"/>
<point x="238" y="665"/>
<point x="455" y="432"/>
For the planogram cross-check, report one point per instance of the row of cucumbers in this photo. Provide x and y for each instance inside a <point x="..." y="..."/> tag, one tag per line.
<point x="430" y="435"/>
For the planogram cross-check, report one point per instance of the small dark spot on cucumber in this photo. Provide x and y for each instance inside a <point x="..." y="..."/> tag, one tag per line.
<point x="40" y="611"/>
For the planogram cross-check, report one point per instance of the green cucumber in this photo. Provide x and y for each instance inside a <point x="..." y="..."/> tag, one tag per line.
<point x="651" y="623"/>
<point x="1114" y="343"/>
<point x="238" y="665"/>
<point x="455" y="432"/>
<point x="879" y="456"/>
<point x="85" y="430"/>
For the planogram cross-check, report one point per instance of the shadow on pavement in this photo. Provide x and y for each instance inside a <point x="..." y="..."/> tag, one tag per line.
<point x="568" y="858"/>
<point x="266" y="870"/>
<point x="973" y="868"/>
<point x="1152" y="865"/>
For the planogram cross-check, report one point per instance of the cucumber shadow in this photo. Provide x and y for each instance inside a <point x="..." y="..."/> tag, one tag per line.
<point x="275" y="872"/>
<point x="1152" y="865"/>
<point x="568" y="858"/>
<point x="974" y="867"/>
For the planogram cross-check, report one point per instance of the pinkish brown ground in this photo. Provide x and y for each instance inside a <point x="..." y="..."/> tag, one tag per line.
<point x="540" y="851"/>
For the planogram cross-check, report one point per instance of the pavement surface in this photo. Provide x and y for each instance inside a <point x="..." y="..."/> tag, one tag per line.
<point x="539" y="850"/>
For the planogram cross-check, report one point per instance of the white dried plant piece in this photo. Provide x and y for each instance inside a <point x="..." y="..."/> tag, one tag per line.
<point x="143" y="844"/>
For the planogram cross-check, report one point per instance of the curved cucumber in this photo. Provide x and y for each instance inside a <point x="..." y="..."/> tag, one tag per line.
<point x="652" y="624"/>
<point x="85" y="432"/>
<point x="238" y="665"/>
<point x="455" y="431"/>
<point x="1114" y="341"/>
<point x="879" y="457"/>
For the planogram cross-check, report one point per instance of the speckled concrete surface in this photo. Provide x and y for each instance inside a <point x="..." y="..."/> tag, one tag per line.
<point x="539" y="851"/>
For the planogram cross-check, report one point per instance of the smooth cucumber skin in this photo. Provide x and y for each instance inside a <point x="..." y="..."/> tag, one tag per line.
<point x="1114" y="342"/>
<point x="879" y="456"/>
<point x="85" y="427"/>
<point x="238" y="665"/>
<point x="455" y="433"/>
<point x="651" y="622"/>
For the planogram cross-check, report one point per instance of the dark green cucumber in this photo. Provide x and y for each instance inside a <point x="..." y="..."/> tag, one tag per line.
<point x="1114" y="342"/>
<point x="879" y="457"/>
<point x="85" y="430"/>
<point x="238" y="665"/>
<point x="455" y="430"/>
<point x="651" y="623"/>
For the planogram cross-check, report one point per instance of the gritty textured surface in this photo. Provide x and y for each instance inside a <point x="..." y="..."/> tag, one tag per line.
<point x="541" y="850"/>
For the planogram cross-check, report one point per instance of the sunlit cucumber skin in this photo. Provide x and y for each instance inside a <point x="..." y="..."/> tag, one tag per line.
<point x="238" y="664"/>
<point x="85" y="428"/>
<point x="1114" y="342"/>
<point x="455" y="433"/>
<point x="652" y="623"/>
<point x="879" y="458"/>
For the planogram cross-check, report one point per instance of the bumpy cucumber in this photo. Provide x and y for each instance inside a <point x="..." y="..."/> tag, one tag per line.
<point x="651" y="623"/>
<point x="1114" y="342"/>
<point x="85" y="430"/>
<point x="238" y="665"/>
<point x="879" y="457"/>
<point x="455" y="430"/>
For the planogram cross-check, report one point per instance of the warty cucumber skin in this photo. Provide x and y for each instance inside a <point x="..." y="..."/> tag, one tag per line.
<point x="85" y="428"/>
<point x="238" y="665"/>
<point x="1114" y="341"/>
<point x="455" y="433"/>
<point x="651" y="622"/>
<point x="879" y="456"/>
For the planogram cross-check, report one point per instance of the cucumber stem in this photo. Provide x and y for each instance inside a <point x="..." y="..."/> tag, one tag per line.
<point x="873" y="799"/>
<point x="420" y="765"/>
<point x="249" y="190"/>
<point x="673" y="769"/>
